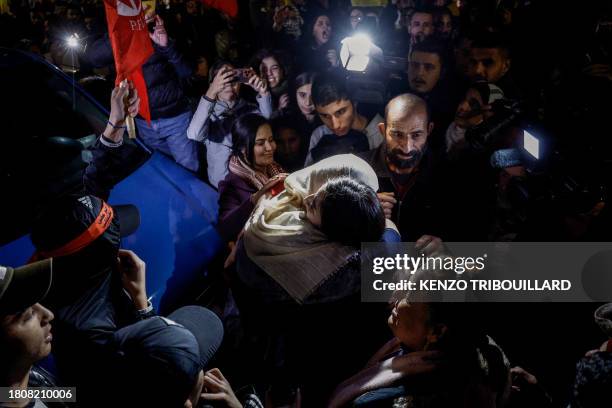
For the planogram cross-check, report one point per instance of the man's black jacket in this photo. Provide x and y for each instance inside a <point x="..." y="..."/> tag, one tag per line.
<point x="163" y="73"/>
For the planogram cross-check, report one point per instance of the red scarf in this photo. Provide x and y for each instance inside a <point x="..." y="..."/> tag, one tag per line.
<point x="255" y="178"/>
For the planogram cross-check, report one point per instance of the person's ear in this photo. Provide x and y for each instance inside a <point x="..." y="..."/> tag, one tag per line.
<point x="381" y="128"/>
<point x="436" y="333"/>
<point x="507" y="65"/>
<point x="430" y="128"/>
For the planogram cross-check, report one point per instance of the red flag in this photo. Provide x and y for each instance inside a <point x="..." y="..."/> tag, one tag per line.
<point x="131" y="44"/>
<point x="229" y="7"/>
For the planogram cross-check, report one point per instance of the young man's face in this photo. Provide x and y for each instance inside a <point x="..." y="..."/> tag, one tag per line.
<point x="462" y="53"/>
<point x="406" y="139"/>
<point x="424" y="69"/>
<point x="27" y="335"/>
<point x="444" y="26"/>
<point x="489" y="64"/>
<point x="421" y="26"/>
<point x="338" y="116"/>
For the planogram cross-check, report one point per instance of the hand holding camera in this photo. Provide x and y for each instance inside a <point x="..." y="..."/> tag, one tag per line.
<point x="221" y="80"/>
<point x="259" y="85"/>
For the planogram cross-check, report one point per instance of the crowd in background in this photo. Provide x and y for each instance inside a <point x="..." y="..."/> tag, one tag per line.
<point x="263" y="108"/>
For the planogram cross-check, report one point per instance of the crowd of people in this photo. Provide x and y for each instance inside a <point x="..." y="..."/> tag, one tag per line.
<point x="309" y="164"/>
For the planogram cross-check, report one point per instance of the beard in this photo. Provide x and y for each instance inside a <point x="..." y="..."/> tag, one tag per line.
<point x="394" y="157"/>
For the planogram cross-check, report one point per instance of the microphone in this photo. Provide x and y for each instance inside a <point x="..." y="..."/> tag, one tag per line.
<point x="503" y="158"/>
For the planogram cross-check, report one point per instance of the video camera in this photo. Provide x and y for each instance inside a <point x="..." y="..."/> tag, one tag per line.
<point x="368" y="68"/>
<point x="483" y="137"/>
<point x="570" y="181"/>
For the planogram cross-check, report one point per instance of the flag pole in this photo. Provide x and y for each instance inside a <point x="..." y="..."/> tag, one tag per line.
<point x="131" y="126"/>
<point x="129" y="120"/>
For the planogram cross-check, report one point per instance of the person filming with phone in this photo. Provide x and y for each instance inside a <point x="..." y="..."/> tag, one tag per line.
<point x="219" y="108"/>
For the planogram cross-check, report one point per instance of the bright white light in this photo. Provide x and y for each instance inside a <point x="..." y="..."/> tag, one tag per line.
<point x="73" y="41"/>
<point x="355" y="52"/>
<point x="531" y="144"/>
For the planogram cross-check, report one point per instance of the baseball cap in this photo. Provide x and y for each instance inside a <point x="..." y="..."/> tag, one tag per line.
<point x="73" y="222"/>
<point x="204" y="325"/>
<point x="488" y="91"/>
<point x="22" y="287"/>
<point x="168" y="352"/>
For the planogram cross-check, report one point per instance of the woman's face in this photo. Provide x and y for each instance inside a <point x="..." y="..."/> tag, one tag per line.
<point x="265" y="146"/>
<point x="271" y="71"/>
<point x="312" y="205"/>
<point x="322" y="30"/>
<point x="303" y="95"/>
<point x="409" y="324"/>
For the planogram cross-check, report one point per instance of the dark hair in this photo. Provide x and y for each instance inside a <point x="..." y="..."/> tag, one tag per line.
<point x="304" y="78"/>
<point x="279" y="56"/>
<point x="350" y="212"/>
<point x="244" y="132"/>
<point x="492" y="40"/>
<point x="422" y="10"/>
<point x="482" y="87"/>
<point x="299" y="81"/>
<point x="466" y="340"/>
<point x="327" y="88"/>
<point x="216" y="67"/>
<point x="310" y="24"/>
<point x="462" y="322"/>
<point x="440" y="11"/>
<point x="432" y="46"/>
<point x="283" y="122"/>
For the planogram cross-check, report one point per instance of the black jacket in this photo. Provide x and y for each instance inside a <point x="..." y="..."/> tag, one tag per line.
<point x="164" y="72"/>
<point x="110" y="165"/>
<point x="419" y="211"/>
<point x="330" y="145"/>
